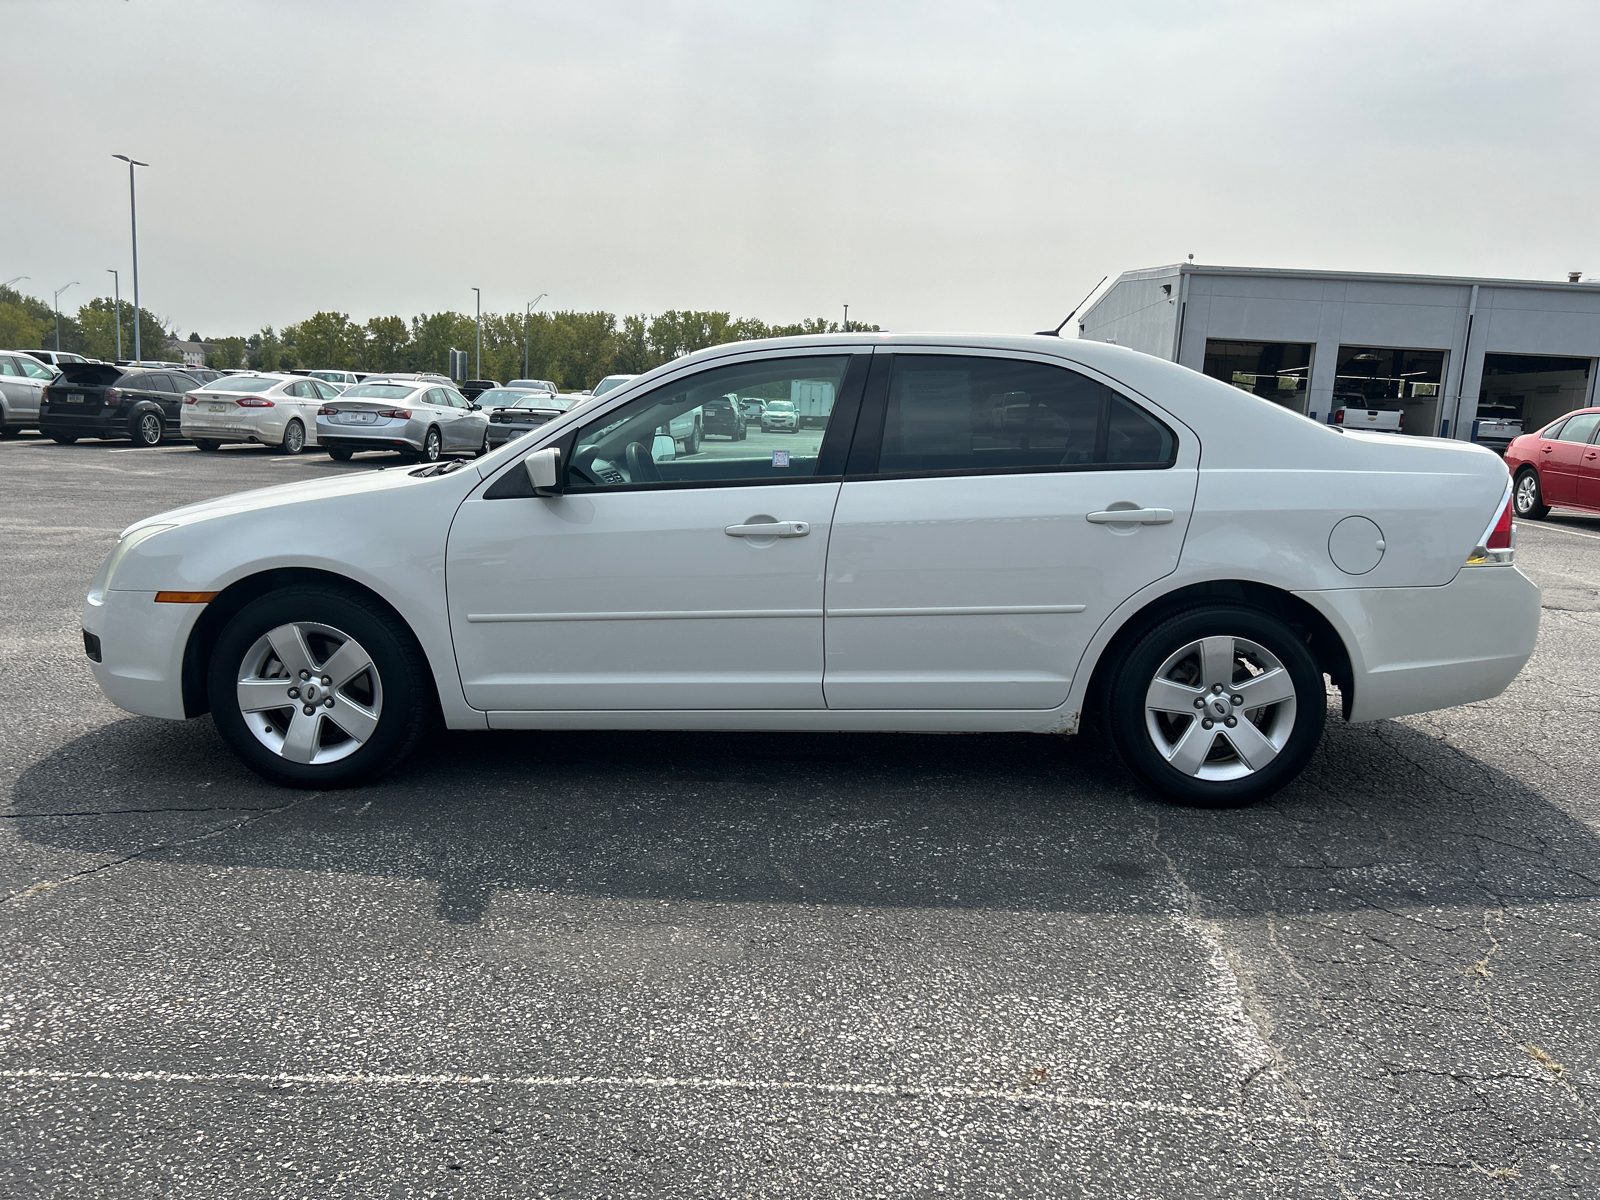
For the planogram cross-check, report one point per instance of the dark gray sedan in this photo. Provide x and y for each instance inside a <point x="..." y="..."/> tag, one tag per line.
<point x="513" y="412"/>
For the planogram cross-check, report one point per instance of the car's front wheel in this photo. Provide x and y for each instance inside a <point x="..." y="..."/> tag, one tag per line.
<point x="1527" y="498"/>
<point x="485" y="448"/>
<point x="1217" y="706"/>
<point x="316" y="687"/>
<point x="294" y="438"/>
<point x="147" y="430"/>
<point x="63" y="439"/>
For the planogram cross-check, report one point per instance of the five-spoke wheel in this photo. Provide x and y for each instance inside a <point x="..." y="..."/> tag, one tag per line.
<point x="1527" y="498"/>
<point x="318" y="687"/>
<point x="1218" y="705"/>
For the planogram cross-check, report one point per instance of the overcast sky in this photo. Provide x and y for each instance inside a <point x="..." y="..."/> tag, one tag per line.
<point x="936" y="166"/>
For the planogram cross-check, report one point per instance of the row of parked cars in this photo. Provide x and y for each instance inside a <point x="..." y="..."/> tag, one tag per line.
<point x="417" y="415"/>
<point x="420" y="415"/>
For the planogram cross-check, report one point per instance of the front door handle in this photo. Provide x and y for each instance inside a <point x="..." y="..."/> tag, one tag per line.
<point x="783" y="529"/>
<point x="1143" y="516"/>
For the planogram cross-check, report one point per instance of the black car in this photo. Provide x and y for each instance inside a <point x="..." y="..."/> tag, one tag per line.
<point x="722" y="416"/>
<point x="513" y="413"/>
<point x="101" y="401"/>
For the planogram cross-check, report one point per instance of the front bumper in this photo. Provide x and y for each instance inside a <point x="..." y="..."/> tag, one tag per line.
<point x="1416" y="649"/>
<point x="141" y="647"/>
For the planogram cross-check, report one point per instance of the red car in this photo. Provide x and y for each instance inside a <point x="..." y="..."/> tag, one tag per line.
<point x="1557" y="467"/>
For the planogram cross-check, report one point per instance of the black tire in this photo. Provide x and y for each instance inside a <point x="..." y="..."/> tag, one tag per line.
<point x="207" y="445"/>
<point x="485" y="448"/>
<point x="1527" y="496"/>
<point x="294" y="438"/>
<point x="339" y="453"/>
<point x="432" y="446"/>
<point x="407" y="700"/>
<point x="10" y="431"/>
<point x="691" y="444"/>
<point x="64" y="439"/>
<point x="147" y="430"/>
<point x="1124" y="712"/>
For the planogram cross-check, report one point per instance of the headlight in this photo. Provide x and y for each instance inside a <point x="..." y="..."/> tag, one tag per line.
<point x="102" y="577"/>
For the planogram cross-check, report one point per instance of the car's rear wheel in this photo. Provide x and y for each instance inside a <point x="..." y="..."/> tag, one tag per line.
<point x="485" y="448"/>
<point x="432" y="446"/>
<point x="207" y="444"/>
<point x="339" y="453"/>
<point x="147" y="430"/>
<point x="1216" y="706"/>
<point x="1527" y="497"/>
<point x="64" y="439"/>
<point x="10" y="431"/>
<point x="294" y="438"/>
<point x="316" y="687"/>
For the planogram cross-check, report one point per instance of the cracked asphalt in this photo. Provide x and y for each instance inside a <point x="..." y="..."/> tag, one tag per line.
<point x="648" y="965"/>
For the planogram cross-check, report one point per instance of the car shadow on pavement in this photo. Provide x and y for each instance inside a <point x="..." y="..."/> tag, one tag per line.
<point x="1386" y="816"/>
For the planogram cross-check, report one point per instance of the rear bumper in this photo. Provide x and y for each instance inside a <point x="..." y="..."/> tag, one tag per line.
<point x="266" y="432"/>
<point x="141" y="651"/>
<point x="345" y="442"/>
<point x="499" y="435"/>
<point x="97" y="425"/>
<point x="1418" y="649"/>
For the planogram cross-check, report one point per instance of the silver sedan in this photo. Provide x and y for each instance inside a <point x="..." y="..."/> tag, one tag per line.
<point x="417" y="417"/>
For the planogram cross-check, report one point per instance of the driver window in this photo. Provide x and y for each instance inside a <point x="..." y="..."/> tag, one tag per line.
<point x="697" y="429"/>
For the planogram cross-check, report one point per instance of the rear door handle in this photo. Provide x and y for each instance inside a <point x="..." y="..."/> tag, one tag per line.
<point x="1144" y="516"/>
<point x="783" y="529"/>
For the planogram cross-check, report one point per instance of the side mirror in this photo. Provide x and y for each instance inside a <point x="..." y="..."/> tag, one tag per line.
<point x="474" y="405"/>
<point x="663" y="448"/>
<point x="544" y="471"/>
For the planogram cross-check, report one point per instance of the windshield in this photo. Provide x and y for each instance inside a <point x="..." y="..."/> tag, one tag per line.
<point x="780" y="405"/>
<point x="329" y="376"/>
<point x="540" y="400"/>
<point x="379" y="391"/>
<point x="240" y="383"/>
<point x="611" y="381"/>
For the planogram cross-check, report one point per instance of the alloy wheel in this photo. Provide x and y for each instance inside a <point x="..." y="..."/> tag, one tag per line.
<point x="431" y="446"/>
<point x="1220" y="708"/>
<point x="309" y="693"/>
<point x="294" y="438"/>
<point x="149" y="431"/>
<point x="1527" y="494"/>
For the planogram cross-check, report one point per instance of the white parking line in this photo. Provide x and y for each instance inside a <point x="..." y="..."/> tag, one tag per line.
<point x="1593" y="537"/>
<point x="667" y="1083"/>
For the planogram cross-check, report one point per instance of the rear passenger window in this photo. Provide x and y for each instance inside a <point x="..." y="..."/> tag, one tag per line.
<point x="8" y="366"/>
<point x="955" y="414"/>
<point x="1580" y="428"/>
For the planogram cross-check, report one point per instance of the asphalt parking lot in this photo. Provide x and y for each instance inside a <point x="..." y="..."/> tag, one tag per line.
<point x="757" y="966"/>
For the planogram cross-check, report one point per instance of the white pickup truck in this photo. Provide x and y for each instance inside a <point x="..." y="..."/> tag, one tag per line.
<point x="1386" y="420"/>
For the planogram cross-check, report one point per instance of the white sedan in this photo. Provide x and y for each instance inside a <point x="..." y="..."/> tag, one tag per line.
<point x="989" y="534"/>
<point x="267" y="409"/>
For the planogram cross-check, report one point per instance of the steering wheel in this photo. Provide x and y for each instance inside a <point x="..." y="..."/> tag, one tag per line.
<point x="641" y="467"/>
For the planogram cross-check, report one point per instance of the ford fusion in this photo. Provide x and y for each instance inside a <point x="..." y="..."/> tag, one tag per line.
<point x="980" y="534"/>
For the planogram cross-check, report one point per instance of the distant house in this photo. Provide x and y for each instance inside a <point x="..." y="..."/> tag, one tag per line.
<point x="194" y="354"/>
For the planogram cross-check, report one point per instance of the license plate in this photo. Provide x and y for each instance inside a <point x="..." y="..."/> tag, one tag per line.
<point x="74" y="397"/>
<point x="360" y="418"/>
<point x="218" y="407"/>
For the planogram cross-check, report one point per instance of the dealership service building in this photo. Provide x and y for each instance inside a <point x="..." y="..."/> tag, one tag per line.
<point x="1445" y="352"/>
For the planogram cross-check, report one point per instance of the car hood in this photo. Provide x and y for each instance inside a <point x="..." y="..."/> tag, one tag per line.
<point x="288" y="494"/>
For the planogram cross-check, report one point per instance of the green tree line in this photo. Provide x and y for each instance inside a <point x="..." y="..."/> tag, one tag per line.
<point x="571" y="349"/>
<point x="28" y="323"/>
<point x="574" y="350"/>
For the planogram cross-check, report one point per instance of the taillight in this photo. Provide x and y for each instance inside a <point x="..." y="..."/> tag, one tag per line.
<point x="1498" y="544"/>
<point x="398" y="414"/>
<point x="327" y="410"/>
<point x="190" y="400"/>
<point x="254" y="402"/>
<point x="1338" y="417"/>
<point x="113" y="396"/>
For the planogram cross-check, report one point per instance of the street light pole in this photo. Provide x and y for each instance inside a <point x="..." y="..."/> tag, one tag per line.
<point x="847" y="318"/>
<point x="477" y="369"/>
<point x="527" y="317"/>
<point x="116" y="282"/>
<point x="54" y="305"/>
<point x="14" y="279"/>
<point x="133" y="217"/>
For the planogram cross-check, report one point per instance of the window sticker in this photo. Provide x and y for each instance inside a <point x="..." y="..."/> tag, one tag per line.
<point x="780" y="458"/>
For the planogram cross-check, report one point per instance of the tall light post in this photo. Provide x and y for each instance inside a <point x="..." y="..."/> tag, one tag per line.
<point x="14" y="279"/>
<point x="116" y="283"/>
<point x="847" y="318"/>
<point x="133" y="217"/>
<point x="56" y="306"/>
<point x="527" y="316"/>
<point x="477" y="370"/>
